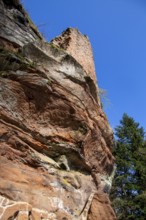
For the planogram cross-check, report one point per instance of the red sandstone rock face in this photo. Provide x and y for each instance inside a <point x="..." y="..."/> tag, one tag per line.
<point x="101" y="208"/>
<point x="55" y="145"/>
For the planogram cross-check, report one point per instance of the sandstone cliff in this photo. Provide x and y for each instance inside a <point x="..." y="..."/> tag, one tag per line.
<point x="55" y="140"/>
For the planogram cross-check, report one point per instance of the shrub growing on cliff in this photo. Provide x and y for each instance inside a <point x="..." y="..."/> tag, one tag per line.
<point x="103" y="96"/>
<point x="128" y="194"/>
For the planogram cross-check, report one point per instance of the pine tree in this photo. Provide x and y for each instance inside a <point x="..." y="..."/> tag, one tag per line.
<point x="128" y="193"/>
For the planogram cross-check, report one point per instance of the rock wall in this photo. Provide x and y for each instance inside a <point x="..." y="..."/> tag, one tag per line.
<point x="55" y="140"/>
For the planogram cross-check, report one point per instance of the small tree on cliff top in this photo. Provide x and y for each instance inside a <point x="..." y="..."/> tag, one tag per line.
<point x="128" y="194"/>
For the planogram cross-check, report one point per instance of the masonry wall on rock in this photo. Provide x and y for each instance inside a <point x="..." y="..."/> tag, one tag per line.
<point x="79" y="47"/>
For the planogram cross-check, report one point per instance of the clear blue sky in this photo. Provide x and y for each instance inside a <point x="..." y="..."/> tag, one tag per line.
<point x="117" y="31"/>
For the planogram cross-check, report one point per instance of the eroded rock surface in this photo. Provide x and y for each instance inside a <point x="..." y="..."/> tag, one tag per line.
<point x="55" y="140"/>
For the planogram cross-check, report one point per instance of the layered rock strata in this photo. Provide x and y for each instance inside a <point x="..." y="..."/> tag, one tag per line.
<point x="55" y="140"/>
